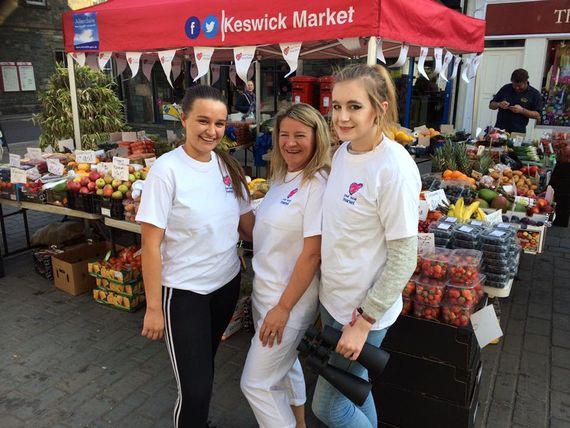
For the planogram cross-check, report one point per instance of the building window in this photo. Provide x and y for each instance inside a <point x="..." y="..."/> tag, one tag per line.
<point x="42" y="3"/>
<point x="60" y="57"/>
<point x="556" y="84"/>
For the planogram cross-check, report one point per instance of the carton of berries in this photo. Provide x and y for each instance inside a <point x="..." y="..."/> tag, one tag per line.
<point x="429" y="290"/>
<point x="464" y="295"/>
<point x="456" y="315"/>
<point x="407" y="307"/>
<point x="464" y="266"/>
<point x="436" y="264"/>
<point x="425" y="310"/>
<point x="410" y="288"/>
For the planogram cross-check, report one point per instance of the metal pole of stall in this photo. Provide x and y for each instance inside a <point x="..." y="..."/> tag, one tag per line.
<point x="258" y="92"/>
<point x="409" y="88"/>
<point x="74" y="104"/>
<point x="447" y="94"/>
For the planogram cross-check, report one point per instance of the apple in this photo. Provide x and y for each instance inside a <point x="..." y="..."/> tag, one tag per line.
<point x="99" y="192"/>
<point x="85" y="181"/>
<point x="132" y="177"/>
<point x="108" y="190"/>
<point x="92" y="186"/>
<point x="83" y="190"/>
<point x="129" y="195"/>
<point x="131" y="169"/>
<point x="128" y="184"/>
<point x="77" y="179"/>
<point x="116" y="183"/>
<point x="100" y="183"/>
<point x="74" y="186"/>
<point x="137" y="175"/>
<point x="143" y="175"/>
<point x="94" y="176"/>
<point x="117" y="195"/>
<point x="123" y="189"/>
<point x="108" y="179"/>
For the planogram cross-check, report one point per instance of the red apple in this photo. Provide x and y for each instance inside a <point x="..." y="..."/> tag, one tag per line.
<point x="108" y="190"/>
<point x="92" y="186"/>
<point x="94" y="176"/>
<point x="84" y="190"/>
<point x="85" y="181"/>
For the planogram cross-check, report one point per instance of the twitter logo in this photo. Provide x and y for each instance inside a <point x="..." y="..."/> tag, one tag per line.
<point x="211" y="26"/>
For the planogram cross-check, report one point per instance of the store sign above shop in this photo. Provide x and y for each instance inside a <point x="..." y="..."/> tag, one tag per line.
<point x="534" y="17"/>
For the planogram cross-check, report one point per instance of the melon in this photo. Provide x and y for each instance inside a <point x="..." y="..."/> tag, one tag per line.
<point x="482" y="203"/>
<point x="487" y="194"/>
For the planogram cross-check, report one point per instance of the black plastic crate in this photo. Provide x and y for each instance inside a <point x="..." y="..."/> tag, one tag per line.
<point x="42" y="261"/>
<point x="439" y="380"/>
<point x="398" y="407"/>
<point x="113" y="208"/>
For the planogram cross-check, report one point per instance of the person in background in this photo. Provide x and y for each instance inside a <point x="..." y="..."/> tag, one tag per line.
<point x="516" y="102"/>
<point x="287" y="247"/>
<point x="369" y="238"/>
<point x="194" y="202"/>
<point x="246" y="101"/>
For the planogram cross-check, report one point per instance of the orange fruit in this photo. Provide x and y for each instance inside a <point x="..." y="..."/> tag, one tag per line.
<point x="447" y="174"/>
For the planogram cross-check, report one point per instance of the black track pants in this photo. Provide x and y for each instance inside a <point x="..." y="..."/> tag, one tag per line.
<point x="194" y="324"/>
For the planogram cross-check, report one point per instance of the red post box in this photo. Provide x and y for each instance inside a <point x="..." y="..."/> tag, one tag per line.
<point x="325" y="83"/>
<point x="302" y="88"/>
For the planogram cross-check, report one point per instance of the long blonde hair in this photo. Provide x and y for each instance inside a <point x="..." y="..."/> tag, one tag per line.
<point x="380" y="88"/>
<point x="321" y="159"/>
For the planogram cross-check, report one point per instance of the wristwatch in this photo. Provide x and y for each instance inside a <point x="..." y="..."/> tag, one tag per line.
<point x="366" y="317"/>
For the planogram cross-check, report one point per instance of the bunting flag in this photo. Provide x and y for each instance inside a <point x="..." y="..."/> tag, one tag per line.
<point x="203" y="57"/>
<point x="379" y="51"/>
<point x="467" y="65"/>
<point x="166" y="58"/>
<point x="103" y="58"/>
<point x="79" y="57"/>
<point x="456" y="61"/>
<point x="120" y="63"/>
<point x="290" y="53"/>
<point x="233" y="75"/>
<point x="133" y="60"/>
<point x="475" y="65"/>
<point x="446" y="62"/>
<point x="215" y="73"/>
<point x="421" y="62"/>
<point x="147" y="65"/>
<point x="176" y="68"/>
<point x="437" y="54"/>
<point x="243" y="55"/>
<point x="91" y="59"/>
<point x="350" y="43"/>
<point x="403" y="56"/>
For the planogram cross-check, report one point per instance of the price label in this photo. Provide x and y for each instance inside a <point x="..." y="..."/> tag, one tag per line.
<point x="104" y="167"/>
<point x="426" y="243"/>
<point x="129" y="136"/>
<point x="495" y="217"/>
<point x="121" y="161"/>
<point x="447" y="129"/>
<point x="66" y="144"/>
<point x="497" y="233"/>
<point x="150" y="162"/>
<point x="15" y="160"/>
<point x="18" y="175"/>
<point x="54" y="166"/>
<point x="85" y="156"/>
<point x="504" y="225"/>
<point x="141" y="135"/>
<point x="34" y="153"/>
<point x="435" y="198"/>
<point x="49" y="149"/>
<point x="106" y="212"/>
<point x="120" y="172"/>
<point x="549" y="194"/>
<point x="444" y="226"/>
<point x="423" y="210"/>
<point x="466" y="229"/>
<point x="480" y="151"/>
<point x="451" y="219"/>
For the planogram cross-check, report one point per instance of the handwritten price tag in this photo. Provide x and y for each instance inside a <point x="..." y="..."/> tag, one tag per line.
<point x="55" y="167"/>
<point x="423" y="210"/>
<point x="66" y="144"/>
<point x="426" y="243"/>
<point x="18" y="175"/>
<point x="121" y="161"/>
<point x="149" y="161"/>
<point x="85" y="156"/>
<point x="120" y="172"/>
<point x="15" y="160"/>
<point x="34" y="153"/>
<point x="435" y="198"/>
<point x="495" y="217"/>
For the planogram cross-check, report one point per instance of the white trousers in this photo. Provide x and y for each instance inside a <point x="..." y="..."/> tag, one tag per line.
<point x="272" y="379"/>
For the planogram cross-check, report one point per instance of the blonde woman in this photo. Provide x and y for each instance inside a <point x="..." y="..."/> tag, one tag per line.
<point x="287" y="247"/>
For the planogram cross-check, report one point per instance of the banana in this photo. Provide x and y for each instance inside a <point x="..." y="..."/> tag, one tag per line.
<point x="459" y="205"/>
<point x="467" y="213"/>
<point x="481" y="214"/>
<point x="451" y="211"/>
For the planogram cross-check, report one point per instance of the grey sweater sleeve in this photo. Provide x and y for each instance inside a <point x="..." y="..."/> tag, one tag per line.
<point x="400" y="265"/>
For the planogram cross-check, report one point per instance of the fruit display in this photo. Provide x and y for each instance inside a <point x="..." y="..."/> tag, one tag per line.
<point x="124" y="268"/>
<point x="435" y="265"/>
<point x="426" y="311"/>
<point x="7" y="190"/>
<point x="130" y="288"/>
<point x="423" y="226"/>
<point x="529" y="240"/>
<point x="456" y="315"/>
<point x="465" y="213"/>
<point x="32" y="191"/>
<point x="428" y="290"/>
<point x="464" y="266"/>
<point x="410" y="288"/>
<point x="258" y="188"/>
<point x="464" y="295"/>
<point x="407" y="306"/>
<point x="120" y="301"/>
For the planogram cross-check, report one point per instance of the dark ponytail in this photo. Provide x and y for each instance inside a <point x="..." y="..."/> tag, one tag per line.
<point x="232" y="165"/>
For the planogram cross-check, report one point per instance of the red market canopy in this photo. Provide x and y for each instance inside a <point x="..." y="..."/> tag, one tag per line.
<point x="152" y="25"/>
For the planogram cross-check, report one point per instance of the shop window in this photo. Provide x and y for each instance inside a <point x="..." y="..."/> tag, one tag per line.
<point x="556" y="85"/>
<point x="60" y="57"/>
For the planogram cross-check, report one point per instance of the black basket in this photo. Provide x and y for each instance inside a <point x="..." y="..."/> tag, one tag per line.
<point x="115" y="207"/>
<point x="34" y="197"/>
<point x="87" y="202"/>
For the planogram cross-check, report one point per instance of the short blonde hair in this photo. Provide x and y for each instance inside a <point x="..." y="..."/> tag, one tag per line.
<point x="379" y="86"/>
<point x="321" y="159"/>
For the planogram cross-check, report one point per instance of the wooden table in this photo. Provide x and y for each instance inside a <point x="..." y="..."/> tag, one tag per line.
<point x="122" y="224"/>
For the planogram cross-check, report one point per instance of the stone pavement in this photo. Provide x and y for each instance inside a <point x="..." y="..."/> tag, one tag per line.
<point x="68" y="362"/>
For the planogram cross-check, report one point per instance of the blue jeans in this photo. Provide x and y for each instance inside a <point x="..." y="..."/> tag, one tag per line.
<point x="332" y="407"/>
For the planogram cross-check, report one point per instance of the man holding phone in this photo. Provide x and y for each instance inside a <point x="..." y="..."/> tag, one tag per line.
<point x="517" y="102"/>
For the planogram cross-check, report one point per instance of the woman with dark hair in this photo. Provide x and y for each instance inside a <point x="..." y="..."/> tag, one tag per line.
<point x="195" y="201"/>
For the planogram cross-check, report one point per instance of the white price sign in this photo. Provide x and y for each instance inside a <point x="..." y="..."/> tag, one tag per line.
<point x="423" y="210"/>
<point x="495" y="217"/>
<point x="120" y="172"/>
<point x="54" y="166"/>
<point x="149" y="161"/>
<point x="85" y="156"/>
<point x="66" y="144"/>
<point x="15" y="160"/>
<point x="34" y="153"/>
<point x="434" y="199"/>
<point x="18" y="175"/>
<point x="426" y="243"/>
<point x="121" y="161"/>
<point x="129" y="136"/>
<point x="104" y="167"/>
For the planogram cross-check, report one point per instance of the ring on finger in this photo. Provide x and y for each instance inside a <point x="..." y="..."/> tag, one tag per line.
<point x="272" y="333"/>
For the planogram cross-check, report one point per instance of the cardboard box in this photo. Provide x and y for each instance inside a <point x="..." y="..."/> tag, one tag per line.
<point x="70" y="267"/>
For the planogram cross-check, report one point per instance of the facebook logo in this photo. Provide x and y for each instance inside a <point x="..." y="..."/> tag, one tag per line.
<point x="192" y="27"/>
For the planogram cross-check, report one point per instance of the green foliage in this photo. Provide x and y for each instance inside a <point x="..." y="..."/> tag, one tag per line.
<point x="452" y="156"/>
<point x="100" y="110"/>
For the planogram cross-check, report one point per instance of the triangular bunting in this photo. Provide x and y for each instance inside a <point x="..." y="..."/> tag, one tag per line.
<point x="243" y="55"/>
<point x="133" y="60"/>
<point x="203" y="56"/>
<point x="290" y="53"/>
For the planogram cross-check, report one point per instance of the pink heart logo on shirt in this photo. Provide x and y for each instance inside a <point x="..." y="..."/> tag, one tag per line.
<point x="292" y="193"/>
<point x="355" y="187"/>
<point x="227" y="180"/>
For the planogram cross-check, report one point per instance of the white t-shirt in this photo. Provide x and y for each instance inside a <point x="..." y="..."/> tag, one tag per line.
<point x="289" y="213"/>
<point x="195" y="203"/>
<point x="370" y="198"/>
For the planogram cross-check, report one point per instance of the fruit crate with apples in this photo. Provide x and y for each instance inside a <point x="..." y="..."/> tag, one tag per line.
<point x="532" y="239"/>
<point x="32" y="192"/>
<point x="56" y="198"/>
<point x="129" y="303"/>
<point x="123" y="268"/>
<point x="113" y="208"/>
<point x="9" y="190"/>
